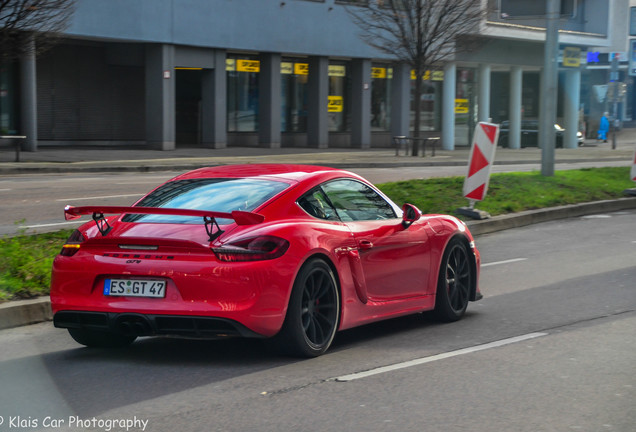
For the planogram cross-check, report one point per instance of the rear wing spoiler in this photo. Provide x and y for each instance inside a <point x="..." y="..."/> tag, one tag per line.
<point x="209" y="217"/>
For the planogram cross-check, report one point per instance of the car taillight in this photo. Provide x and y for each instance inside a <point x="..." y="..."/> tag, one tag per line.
<point x="73" y="243"/>
<point x="252" y="249"/>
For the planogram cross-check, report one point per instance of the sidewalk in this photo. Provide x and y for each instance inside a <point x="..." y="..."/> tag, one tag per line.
<point x="114" y="159"/>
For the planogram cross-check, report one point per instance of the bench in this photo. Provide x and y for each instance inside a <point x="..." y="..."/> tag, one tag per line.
<point x="13" y="140"/>
<point x="406" y="143"/>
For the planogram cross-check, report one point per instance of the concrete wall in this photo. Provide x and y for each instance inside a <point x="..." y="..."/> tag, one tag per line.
<point x="590" y="16"/>
<point x="284" y="26"/>
<point x="597" y="13"/>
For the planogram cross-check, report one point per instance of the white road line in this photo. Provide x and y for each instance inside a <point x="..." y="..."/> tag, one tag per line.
<point x="99" y="197"/>
<point x="503" y="262"/>
<point x="52" y="224"/>
<point x="147" y="180"/>
<point x="596" y="216"/>
<point x="150" y="182"/>
<point x="5" y="190"/>
<point x="442" y="356"/>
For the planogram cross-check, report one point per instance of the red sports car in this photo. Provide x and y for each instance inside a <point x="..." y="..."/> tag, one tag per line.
<point x="290" y="253"/>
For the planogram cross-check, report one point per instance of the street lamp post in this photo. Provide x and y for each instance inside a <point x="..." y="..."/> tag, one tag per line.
<point x="549" y="83"/>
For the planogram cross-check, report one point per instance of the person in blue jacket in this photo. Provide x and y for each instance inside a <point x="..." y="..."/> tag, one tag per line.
<point x="603" y="129"/>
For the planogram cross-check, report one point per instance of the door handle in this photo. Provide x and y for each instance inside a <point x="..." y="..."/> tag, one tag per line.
<point x="365" y="244"/>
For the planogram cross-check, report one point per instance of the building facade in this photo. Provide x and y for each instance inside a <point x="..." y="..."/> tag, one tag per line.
<point x="591" y="34"/>
<point x="293" y="73"/>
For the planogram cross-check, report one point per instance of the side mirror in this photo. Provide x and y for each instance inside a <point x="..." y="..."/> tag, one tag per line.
<point x="410" y="214"/>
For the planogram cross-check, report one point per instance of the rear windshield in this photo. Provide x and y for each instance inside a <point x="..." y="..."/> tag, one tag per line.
<point x="221" y="195"/>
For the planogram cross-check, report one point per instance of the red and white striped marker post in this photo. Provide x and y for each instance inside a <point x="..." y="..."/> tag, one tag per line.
<point x="482" y="155"/>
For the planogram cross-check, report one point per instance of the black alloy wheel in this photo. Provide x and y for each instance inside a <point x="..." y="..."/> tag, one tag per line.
<point x="455" y="282"/>
<point x="318" y="307"/>
<point x="313" y="313"/>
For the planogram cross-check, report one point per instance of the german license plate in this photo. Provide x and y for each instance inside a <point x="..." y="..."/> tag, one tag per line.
<point x="135" y="288"/>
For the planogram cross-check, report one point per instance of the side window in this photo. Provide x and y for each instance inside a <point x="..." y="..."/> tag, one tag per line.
<point x="317" y="205"/>
<point x="355" y="201"/>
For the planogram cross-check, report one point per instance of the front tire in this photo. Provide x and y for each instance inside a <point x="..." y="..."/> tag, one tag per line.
<point x="455" y="282"/>
<point x="313" y="312"/>
<point x="100" y="339"/>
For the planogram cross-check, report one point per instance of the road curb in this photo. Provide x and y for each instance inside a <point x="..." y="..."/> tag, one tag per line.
<point x="529" y="217"/>
<point x="25" y="312"/>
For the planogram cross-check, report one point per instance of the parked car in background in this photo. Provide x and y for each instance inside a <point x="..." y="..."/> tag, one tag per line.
<point x="530" y="134"/>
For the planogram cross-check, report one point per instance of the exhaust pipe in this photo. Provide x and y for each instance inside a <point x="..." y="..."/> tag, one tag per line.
<point x="134" y="325"/>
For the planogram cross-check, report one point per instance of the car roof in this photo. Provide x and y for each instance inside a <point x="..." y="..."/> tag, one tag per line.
<point x="289" y="173"/>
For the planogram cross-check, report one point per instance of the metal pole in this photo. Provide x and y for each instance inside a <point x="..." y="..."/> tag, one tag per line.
<point x="549" y="84"/>
<point x="614" y="85"/>
<point x="28" y="96"/>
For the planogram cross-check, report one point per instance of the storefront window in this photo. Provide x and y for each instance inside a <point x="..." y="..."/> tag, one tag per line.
<point x="338" y="109"/>
<point x="8" y="103"/>
<point x="381" y="77"/>
<point x="430" y="101"/>
<point x="294" y="96"/>
<point x="242" y="93"/>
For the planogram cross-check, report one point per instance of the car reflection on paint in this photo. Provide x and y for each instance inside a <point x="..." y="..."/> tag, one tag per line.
<point x="530" y="134"/>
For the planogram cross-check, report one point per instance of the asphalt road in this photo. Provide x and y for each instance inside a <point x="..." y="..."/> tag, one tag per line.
<point x="549" y="348"/>
<point x="35" y="203"/>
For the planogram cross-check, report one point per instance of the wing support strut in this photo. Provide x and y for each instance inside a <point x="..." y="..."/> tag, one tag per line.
<point x="212" y="228"/>
<point x="102" y="224"/>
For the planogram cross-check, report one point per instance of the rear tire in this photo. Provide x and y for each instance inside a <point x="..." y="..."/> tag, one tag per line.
<point x="313" y="312"/>
<point x="100" y="339"/>
<point x="455" y="282"/>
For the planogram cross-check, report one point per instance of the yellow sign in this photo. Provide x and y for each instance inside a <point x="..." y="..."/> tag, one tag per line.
<point x="378" y="72"/>
<point x="571" y="57"/>
<point x="337" y="71"/>
<point x="237" y="65"/>
<point x="461" y="106"/>
<point x="248" y="65"/>
<point x="286" y="68"/>
<point x="301" y="68"/>
<point x="335" y="103"/>
<point x="435" y="75"/>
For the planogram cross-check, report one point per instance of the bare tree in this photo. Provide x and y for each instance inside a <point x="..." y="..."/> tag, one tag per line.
<point x="38" y="20"/>
<point x="421" y="33"/>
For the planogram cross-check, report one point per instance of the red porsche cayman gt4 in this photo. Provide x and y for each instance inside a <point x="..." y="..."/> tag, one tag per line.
<point x="290" y="253"/>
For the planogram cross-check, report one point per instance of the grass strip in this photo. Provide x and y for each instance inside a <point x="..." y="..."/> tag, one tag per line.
<point x="26" y="260"/>
<point x="514" y="192"/>
<point x="25" y="264"/>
